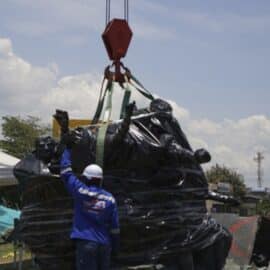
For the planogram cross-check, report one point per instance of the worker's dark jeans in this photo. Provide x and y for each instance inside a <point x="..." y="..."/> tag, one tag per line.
<point x="92" y="256"/>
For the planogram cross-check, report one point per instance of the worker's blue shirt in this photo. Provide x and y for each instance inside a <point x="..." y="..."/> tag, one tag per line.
<point x="95" y="210"/>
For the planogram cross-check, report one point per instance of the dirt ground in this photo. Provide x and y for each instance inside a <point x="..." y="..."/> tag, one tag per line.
<point x="7" y="253"/>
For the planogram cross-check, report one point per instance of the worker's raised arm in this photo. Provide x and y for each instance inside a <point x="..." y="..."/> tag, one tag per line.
<point x="72" y="183"/>
<point x="115" y="230"/>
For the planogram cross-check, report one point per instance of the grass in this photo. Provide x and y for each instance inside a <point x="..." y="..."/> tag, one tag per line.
<point x="6" y="253"/>
<point x="7" y="256"/>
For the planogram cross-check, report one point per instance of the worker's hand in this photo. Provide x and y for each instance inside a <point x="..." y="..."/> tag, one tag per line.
<point x="73" y="137"/>
<point x="130" y="108"/>
<point x="62" y="119"/>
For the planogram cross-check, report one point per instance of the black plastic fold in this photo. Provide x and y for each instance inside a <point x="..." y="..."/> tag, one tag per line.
<point x="160" y="189"/>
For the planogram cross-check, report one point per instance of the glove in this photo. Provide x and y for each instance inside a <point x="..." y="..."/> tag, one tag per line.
<point x="62" y="119"/>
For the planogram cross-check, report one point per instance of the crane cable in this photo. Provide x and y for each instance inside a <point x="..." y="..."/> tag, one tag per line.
<point x="108" y="11"/>
<point x="126" y="10"/>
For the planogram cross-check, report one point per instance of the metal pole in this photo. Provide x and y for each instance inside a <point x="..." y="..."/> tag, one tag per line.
<point x="259" y="158"/>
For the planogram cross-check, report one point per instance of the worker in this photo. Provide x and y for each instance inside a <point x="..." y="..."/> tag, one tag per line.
<point x="95" y="223"/>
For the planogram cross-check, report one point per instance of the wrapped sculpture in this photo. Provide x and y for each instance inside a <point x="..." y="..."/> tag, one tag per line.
<point x="156" y="178"/>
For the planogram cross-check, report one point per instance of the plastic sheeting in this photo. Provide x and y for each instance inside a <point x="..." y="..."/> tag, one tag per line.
<point x="7" y="216"/>
<point x="244" y="231"/>
<point x="160" y="189"/>
<point x="261" y="251"/>
<point x="7" y="163"/>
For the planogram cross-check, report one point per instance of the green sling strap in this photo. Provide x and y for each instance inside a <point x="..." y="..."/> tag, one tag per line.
<point x="125" y="101"/>
<point x="100" y="144"/>
<point x="103" y="128"/>
<point x="108" y="110"/>
<point x="143" y="90"/>
<point x="101" y="102"/>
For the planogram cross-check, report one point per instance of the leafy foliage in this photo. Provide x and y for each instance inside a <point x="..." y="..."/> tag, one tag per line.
<point x="19" y="134"/>
<point x="263" y="207"/>
<point x="224" y="174"/>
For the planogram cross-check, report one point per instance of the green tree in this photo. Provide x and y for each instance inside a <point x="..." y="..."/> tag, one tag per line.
<point x="263" y="207"/>
<point x="19" y="134"/>
<point x="224" y="174"/>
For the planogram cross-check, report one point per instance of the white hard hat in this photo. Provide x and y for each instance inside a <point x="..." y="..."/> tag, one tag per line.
<point x="93" y="171"/>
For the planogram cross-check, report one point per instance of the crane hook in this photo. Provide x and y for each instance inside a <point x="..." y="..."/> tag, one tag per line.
<point x="116" y="38"/>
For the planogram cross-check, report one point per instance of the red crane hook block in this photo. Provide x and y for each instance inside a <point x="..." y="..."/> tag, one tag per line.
<point x="117" y="37"/>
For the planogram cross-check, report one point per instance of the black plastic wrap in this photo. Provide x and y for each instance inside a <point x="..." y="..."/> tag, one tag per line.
<point x="160" y="189"/>
<point x="261" y="250"/>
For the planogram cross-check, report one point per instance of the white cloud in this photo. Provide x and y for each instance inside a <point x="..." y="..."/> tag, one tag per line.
<point x="234" y="143"/>
<point x="179" y="112"/>
<point x="5" y="47"/>
<point x="205" y="126"/>
<point x="27" y="89"/>
<point x="197" y="143"/>
<point x="20" y="82"/>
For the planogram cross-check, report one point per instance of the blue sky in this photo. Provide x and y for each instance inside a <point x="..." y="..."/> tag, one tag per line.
<point x="211" y="58"/>
<point x="198" y="53"/>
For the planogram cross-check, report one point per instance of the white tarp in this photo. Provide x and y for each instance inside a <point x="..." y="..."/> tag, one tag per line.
<point x="7" y="163"/>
